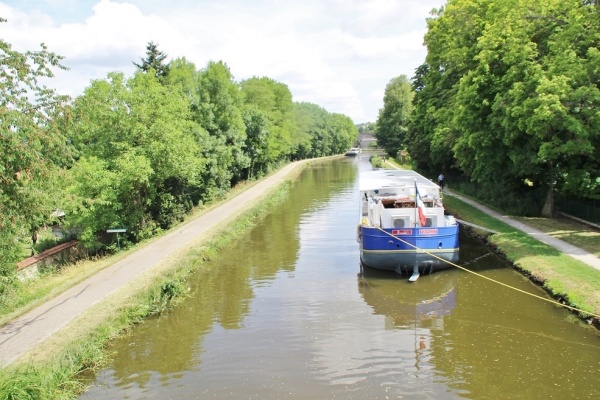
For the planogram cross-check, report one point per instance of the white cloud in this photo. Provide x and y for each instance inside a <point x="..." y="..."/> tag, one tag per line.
<point x="382" y="47"/>
<point x="334" y="53"/>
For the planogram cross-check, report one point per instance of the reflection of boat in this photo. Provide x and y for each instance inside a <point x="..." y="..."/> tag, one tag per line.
<point x="403" y="226"/>
<point x="354" y="151"/>
<point x="407" y="305"/>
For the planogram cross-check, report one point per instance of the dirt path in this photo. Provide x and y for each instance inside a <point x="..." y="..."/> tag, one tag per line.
<point x="23" y="334"/>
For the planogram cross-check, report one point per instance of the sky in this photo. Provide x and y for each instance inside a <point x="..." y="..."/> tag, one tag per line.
<point x="338" y="54"/>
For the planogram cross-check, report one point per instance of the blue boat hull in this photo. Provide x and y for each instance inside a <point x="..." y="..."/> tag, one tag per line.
<point x="401" y="249"/>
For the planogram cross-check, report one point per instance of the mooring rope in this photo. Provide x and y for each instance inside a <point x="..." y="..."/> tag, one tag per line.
<point x="493" y="280"/>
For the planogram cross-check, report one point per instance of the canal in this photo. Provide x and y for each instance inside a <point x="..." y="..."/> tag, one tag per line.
<point x="287" y="313"/>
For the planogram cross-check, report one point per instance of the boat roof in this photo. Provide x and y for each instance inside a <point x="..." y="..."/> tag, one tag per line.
<point x="391" y="178"/>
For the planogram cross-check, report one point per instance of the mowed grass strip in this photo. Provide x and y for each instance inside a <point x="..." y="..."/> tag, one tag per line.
<point x="568" y="230"/>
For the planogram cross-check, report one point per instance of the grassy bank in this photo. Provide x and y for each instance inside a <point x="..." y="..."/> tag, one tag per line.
<point x="54" y="369"/>
<point x="564" y="277"/>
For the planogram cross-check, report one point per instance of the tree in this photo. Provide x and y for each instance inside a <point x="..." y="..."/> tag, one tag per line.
<point x="313" y="121"/>
<point x="32" y="147"/>
<point x="137" y="139"/>
<point x="219" y="112"/>
<point x="320" y="133"/>
<point x="304" y="122"/>
<point x="452" y="33"/>
<point x="257" y="132"/>
<point x="392" y="123"/>
<point x="532" y="98"/>
<point x="183" y="77"/>
<point x="154" y="61"/>
<point x="508" y="96"/>
<point x="274" y="99"/>
<point x="344" y="132"/>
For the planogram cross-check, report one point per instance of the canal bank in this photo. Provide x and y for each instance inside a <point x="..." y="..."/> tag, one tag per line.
<point x="23" y="334"/>
<point x="574" y="251"/>
<point x="43" y="352"/>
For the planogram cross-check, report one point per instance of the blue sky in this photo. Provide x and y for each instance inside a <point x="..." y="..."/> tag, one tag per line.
<point x="339" y="54"/>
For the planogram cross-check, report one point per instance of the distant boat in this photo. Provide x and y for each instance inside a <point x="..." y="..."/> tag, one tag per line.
<point x="402" y="223"/>
<point x="354" y="151"/>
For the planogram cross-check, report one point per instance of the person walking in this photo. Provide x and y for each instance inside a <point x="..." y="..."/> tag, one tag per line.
<point x="441" y="180"/>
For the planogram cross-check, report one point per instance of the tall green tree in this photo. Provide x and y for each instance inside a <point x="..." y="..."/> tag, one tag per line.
<point x="394" y="117"/>
<point x="32" y="147"/>
<point x="344" y="132"/>
<point x="527" y="109"/>
<point x="274" y="99"/>
<point x="320" y="133"/>
<point x="257" y="133"/>
<point x="508" y="96"/>
<point x="219" y="112"/>
<point x="304" y="123"/>
<point x="452" y="31"/>
<point x="136" y="136"/>
<point x="154" y="61"/>
<point x="313" y="119"/>
<point x="184" y="77"/>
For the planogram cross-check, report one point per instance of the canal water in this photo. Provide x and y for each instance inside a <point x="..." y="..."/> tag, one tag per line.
<point x="287" y="313"/>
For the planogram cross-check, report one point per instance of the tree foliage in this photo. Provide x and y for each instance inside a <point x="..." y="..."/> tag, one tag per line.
<point x="219" y="112"/>
<point x="394" y="117"/>
<point x="154" y="61"/>
<point x="321" y="133"/>
<point x="32" y="145"/>
<point x="510" y="94"/>
<point x="274" y="100"/>
<point x="138" y="137"/>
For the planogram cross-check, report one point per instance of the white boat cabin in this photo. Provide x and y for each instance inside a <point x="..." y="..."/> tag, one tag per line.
<point x="388" y="200"/>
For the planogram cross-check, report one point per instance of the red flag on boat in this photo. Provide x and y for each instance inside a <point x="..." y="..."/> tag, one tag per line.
<point x="420" y="207"/>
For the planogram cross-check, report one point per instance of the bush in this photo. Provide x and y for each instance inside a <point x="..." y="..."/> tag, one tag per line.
<point x="376" y="161"/>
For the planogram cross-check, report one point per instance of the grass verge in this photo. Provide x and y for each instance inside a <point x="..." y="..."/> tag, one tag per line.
<point x="567" y="230"/>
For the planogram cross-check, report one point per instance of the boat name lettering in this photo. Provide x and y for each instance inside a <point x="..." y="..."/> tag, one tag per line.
<point x="428" y="231"/>
<point x="401" y="231"/>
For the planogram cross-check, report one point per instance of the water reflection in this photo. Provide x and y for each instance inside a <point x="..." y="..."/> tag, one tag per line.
<point x="408" y="305"/>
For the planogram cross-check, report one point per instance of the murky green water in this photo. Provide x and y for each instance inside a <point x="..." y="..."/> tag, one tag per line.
<point x="286" y="314"/>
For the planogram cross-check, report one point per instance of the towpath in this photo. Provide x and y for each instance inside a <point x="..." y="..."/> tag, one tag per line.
<point x="573" y="251"/>
<point x="23" y="334"/>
